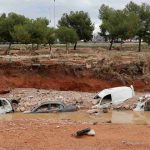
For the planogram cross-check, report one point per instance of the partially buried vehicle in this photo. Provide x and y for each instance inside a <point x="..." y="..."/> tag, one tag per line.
<point x="5" y="106"/>
<point x="143" y="103"/>
<point x="51" y="106"/>
<point x="113" y="96"/>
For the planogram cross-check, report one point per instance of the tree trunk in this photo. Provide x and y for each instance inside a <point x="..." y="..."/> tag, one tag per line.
<point x="8" y="50"/>
<point x="32" y="46"/>
<point x="50" y="51"/>
<point x="67" y="48"/>
<point x="105" y="38"/>
<point x="140" y="44"/>
<point x="37" y="46"/>
<point x="75" y="45"/>
<point x="121" y="45"/>
<point x="111" y="43"/>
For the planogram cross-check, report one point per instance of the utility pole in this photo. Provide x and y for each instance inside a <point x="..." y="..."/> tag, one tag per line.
<point x="54" y="15"/>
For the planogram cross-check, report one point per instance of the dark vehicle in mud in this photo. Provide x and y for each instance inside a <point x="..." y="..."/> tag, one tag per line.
<point x="51" y="106"/>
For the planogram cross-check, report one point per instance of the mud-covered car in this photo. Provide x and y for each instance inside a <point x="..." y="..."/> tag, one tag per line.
<point x="51" y="106"/>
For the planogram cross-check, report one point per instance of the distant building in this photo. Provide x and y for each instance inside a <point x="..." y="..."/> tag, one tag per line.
<point x="97" y="38"/>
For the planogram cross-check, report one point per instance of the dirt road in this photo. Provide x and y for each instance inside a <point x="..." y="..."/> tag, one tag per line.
<point x="42" y="135"/>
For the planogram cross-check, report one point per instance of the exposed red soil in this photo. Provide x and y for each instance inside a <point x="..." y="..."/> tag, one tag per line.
<point x="44" y="135"/>
<point x="58" y="77"/>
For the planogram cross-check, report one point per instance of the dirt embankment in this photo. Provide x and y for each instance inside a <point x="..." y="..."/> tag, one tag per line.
<point x="55" y="76"/>
<point x="71" y="76"/>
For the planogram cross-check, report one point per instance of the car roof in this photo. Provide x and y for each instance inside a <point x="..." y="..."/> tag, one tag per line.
<point x="114" y="90"/>
<point x="52" y="102"/>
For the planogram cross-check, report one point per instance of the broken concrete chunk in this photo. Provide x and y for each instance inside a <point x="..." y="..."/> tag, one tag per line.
<point x="87" y="131"/>
<point x="91" y="132"/>
<point x="22" y="109"/>
<point x="95" y="101"/>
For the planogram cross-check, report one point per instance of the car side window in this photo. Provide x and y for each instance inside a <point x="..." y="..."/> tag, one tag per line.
<point x="106" y="99"/>
<point x="56" y="106"/>
<point x="4" y="102"/>
<point x="1" y="103"/>
<point x="43" y="108"/>
<point x="61" y="106"/>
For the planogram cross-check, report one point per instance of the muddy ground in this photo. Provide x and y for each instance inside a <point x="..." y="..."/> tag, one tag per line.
<point x="31" y="133"/>
<point x="35" y="77"/>
<point x="42" y="135"/>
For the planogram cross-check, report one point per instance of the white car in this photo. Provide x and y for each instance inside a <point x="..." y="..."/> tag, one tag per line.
<point x="113" y="96"/>
<point x="5" y="106"/>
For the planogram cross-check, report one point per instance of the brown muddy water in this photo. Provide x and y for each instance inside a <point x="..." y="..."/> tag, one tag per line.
<point x="128" y="117"/>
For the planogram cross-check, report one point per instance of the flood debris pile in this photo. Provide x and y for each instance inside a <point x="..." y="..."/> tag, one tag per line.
<point x="29" y="98"/>
<point x="118" y="98"/>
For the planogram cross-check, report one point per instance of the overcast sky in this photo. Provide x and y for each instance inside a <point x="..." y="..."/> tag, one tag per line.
<point x="45" y="8"/>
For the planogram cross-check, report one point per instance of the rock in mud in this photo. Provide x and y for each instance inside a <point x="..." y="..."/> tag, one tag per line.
<point x="95" y="101"/>
<point x="95" y="123"/>
<point x="18" y="109"/>
<point x="22" y="109"/>
<point x="88" y="66"/>
<point x="93" y="111"/>
<point x="127" y="107"/>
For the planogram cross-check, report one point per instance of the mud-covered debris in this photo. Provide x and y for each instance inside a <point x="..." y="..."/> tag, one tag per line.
<point x="15" y="104"/>
<point x="95" y="123"/>
<point x="4" y="91"/>
<point x="22" y="109"/>
<point x="105" y="110"/>
<point x="83" y="132"/>
<point x="109" y="121"/>
<point x="93" y="111"/>
<point x="127" y="107"/>
<point x="80" y="99"/>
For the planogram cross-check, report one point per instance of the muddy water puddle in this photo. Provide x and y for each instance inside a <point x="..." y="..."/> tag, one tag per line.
<point x="82" y="117"/>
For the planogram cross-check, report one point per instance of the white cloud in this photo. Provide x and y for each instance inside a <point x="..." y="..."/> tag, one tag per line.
<point x="45" y="8"/>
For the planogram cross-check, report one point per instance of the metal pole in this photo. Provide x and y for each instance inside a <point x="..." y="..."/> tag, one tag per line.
<point x="54" y="14"/>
